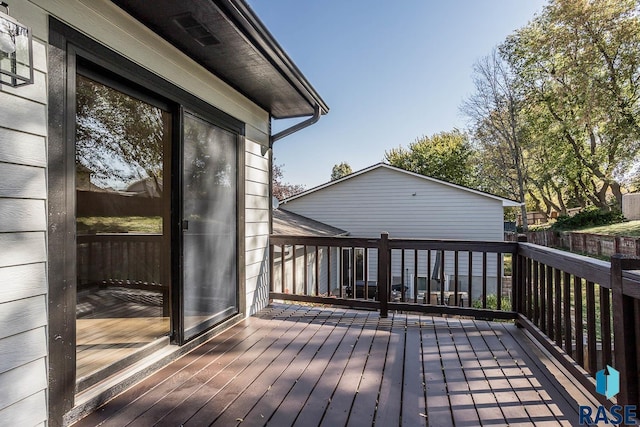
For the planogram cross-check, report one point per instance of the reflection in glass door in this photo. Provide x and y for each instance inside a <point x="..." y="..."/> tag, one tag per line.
<point x="210" y="284"/>
<point x="122" y="229"/>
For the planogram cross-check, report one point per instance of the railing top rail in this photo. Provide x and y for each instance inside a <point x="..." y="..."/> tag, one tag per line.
<point x="338" y="241"/>
<point x="396" y="243"/>
<point x="591" y="269"/>
<point x="453" y="245"/>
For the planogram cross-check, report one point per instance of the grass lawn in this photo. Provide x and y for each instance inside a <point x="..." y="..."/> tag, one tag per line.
<point x="120" y="224"/>
<point x="629" y="229"/>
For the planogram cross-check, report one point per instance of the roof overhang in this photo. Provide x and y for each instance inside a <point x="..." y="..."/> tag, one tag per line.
<point x="228" y="39"/>
<point x="506" y="203"/>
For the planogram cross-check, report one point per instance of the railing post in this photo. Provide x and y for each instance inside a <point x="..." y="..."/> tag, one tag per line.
<point x="518" y="276"/>
<point x="625" y="325"/>
<point x="383" y="274"/>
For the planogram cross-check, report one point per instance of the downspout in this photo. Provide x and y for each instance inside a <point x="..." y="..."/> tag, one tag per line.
<point x="298" y="126"/>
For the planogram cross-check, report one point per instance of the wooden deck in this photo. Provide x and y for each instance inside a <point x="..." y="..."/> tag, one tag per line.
<point x="308" y="366"/>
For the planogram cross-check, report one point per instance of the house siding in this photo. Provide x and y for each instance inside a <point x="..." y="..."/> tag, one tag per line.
<point x="23" y="259"/>
<point x="383" y="200"/>
<point x="371" y="203"/>
<point x="257" y="205"/>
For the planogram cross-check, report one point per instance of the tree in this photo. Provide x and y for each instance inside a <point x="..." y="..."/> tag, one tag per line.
<point x="119" y="139"/>
<point x="445" y="155"/>
<point x="340" y="170"/>
<point x="580" y="61"/>
<point x="281" y="189"/>
<point x="495" y="110"/>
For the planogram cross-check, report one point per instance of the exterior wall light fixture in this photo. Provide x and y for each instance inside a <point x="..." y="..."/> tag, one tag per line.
<point x="16" y="51"/>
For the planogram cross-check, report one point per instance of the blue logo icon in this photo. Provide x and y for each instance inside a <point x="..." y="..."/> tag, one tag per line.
<point x="608" y="382"/>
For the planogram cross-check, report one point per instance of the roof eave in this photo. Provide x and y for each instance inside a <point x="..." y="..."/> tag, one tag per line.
<point x="251" y="25"/>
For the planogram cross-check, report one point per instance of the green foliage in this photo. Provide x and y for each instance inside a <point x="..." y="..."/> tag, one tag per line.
<point x="577" y="63"/>
<point x="446" y="155"/>
<point x="119" y="224"/>
<point x="492" y="303"/>
<point x="589" y="217"/>
<point x="340" y="170"/>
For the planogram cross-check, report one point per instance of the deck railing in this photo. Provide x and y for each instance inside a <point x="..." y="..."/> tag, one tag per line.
<point x="586" y="312"/>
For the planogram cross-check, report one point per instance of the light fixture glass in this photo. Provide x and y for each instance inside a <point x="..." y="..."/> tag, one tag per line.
<point x="16" y="51"/>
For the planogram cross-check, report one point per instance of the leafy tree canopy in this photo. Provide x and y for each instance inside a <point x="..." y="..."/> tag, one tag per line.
<point x="445" y="155"/>
<point x="340" y="170"/>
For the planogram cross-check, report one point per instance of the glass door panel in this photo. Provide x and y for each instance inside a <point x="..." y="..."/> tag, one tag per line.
<point x="210" y="288"/>
<point x="122" y="213"/>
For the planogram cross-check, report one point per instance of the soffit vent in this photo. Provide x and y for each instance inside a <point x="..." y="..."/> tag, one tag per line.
<point x="196" y="30"/>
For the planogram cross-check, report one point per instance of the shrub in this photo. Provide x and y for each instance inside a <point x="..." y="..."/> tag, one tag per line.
<point x="589" y="217"/>
<point x="492" y="303"/>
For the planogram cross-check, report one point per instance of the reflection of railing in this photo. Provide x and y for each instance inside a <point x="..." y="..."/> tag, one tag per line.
<point x="581" y="305"/>
<point x="132" y="261"/>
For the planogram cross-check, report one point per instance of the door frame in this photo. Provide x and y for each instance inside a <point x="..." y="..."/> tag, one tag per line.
<point x="65" y="47"/>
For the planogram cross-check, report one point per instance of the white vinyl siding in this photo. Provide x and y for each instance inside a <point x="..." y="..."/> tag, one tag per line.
<point x="23" y="224"/>
<point x="383" y="200"/>
<point x="257" y="206"/>
<point x="407" y="206"/>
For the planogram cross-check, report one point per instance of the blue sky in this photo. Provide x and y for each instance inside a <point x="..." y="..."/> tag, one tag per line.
<point x="390" y="71"/>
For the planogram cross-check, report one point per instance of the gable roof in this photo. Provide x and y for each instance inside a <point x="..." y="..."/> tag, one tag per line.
<point x="292" y="224"/>
<point x="505" y="202"/>
<point x="227" y="38"/>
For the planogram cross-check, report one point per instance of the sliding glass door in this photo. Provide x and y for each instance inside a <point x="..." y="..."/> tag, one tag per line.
<point x="209" y="228"/>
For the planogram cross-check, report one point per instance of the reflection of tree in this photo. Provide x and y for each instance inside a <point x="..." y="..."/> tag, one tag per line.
<point x="209" y="162"/>
<point x="118" y="138"/>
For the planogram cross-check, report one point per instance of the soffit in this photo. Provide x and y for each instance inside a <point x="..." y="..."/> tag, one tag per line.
<point x="226" y="38"/>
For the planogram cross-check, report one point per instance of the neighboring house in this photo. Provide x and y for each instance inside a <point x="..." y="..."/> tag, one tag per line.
<point x="184" y="89"/>
<point x="383" y="198"/>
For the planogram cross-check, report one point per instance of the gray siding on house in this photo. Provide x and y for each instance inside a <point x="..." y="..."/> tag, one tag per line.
<point x="257" y="206"/>
<point x="23" y="282"/>
<point x="382" y="200"/>
<point x="407" y="206"/>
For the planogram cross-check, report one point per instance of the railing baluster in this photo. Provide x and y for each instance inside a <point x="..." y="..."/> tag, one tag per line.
<point x="305" y="271"/>
<point x="282" y="277"/>
<point x="592" y="361"/>
<point x="295" y="270"/>
<point x="529" y="287"/>
<point x="271" y="267"/>
<point x="605" y="326"/>
<point x="456" y="297"/>
<point x="384" y="261"/>
<point x="470" y="278"/>
<point x="415" y="275"/>
<point x="579" y="322"/>
<point x="427" y="297"/>
<point x="543" y="298"/>
<point x="402" y="278"/>
<point x="568" y="343"/>
<point x="536" y="294"/>
<point x="550" y="303"/>
<point x="329" y="293"/>
<point x="316" y="261"/>
<point x="558" y="306"/>
<point x="365" y="271"/>
<point x="442" y="278"/>
<point x="499" y="266"/>
<point x="484" y="280"/>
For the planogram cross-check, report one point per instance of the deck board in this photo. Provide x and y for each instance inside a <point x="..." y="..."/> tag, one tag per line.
<point x="310" y="366"/>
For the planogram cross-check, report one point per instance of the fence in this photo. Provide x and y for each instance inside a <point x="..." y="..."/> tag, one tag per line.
<point x="599" y="245"/>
